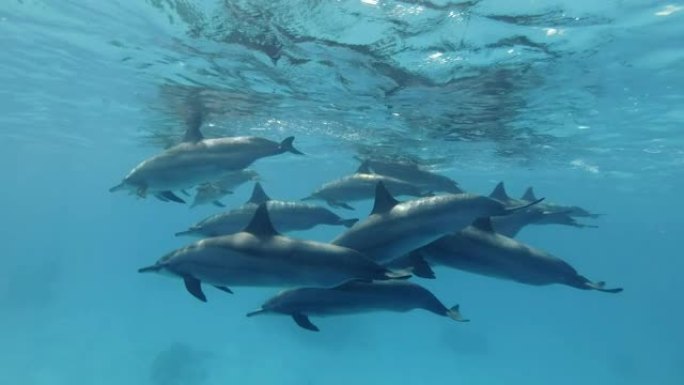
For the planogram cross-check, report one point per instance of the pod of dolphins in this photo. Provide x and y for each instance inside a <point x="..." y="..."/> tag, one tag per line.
<point x="366" y="267"/>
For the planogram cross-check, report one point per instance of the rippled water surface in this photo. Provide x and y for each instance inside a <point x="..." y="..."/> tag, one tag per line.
<point x="582" y="100"/>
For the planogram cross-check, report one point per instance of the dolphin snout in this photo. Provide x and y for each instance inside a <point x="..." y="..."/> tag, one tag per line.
<point x="256" y="312"/>
<point x="118" y="187"/>
<point x="150" y="269"/>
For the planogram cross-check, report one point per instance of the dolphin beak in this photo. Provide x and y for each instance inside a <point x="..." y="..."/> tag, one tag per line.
<point x="150" y="269"/>
<point x="118" y="187"/>
<point x="256" y="312"/>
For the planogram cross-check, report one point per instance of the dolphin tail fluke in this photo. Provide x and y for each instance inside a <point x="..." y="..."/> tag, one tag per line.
<point x="118" y="187"/>
<point x="348" y="222"/>
<point x="601" y="286"/>
<point x="455" y="314"/>
<point x="286" y="146"/>
<point x="523" y="207"/>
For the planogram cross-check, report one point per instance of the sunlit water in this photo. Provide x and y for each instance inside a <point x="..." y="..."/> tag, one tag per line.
<point x="582" y="100"/>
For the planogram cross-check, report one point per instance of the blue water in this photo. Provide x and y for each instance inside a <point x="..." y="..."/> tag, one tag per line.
<point x="582" y="100"/>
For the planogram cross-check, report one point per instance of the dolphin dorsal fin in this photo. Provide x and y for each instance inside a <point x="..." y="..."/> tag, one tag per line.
<point x="529" y="195"/>
<point x="484" y="224"/>
<point x="499" y="192"/>
<point x="261" y="225"/>
<point x="364" y="168"/>
<point x="384" y="201"/>
<point x="193" y="123"/>
<point x="259" y="196"/>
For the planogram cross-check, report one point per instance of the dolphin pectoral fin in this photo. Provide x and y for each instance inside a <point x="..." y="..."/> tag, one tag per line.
<point x="223" y="288"/>
<point x="194" y="287"/>
<point x="142" y="191"/>
<point x="456" y="315"/>
<point x="161" y="197"/>
<point x="304" y="322"/>
<point x="348" y="222"/>
<point x="419" y="266"/>
<point x="601" y="286"/>
<point x="218" y="204"/>
<point x="169" y="195"/>
<point x="185" y="192"/>
<point x="286" y="145"/>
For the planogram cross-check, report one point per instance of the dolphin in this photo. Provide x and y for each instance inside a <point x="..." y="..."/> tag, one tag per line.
<point x="198" y="160"/>
<point x="213" y="191"/>
<point x="393" y="229"/>
<point x="479" y="249"/>
<point x="412" y="173"/>
<point x="540" y="214"/>
<point x="360" y="186"/>
<point x="260" y="256"/>
<point x="286" y="216"/>
<point x="573" y="211"/>
<point x="353" y="297"/>
<point x="511" y="225"/>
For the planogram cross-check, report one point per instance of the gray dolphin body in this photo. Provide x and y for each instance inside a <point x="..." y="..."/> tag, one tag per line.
<point x="354" y="297"/>
<point x="573" y="211"/>
<point x="394" y="229"/>
<point x="478" y="249"/>
<point x="286" y="216"/>
<point x="212" y="192"/>
<point x="198" y="160"/>
<point x="361" y="186"/>
<point x="540" y="214"/>
<point x="412" y="173"/>
<point x="511" y="225"/>
<point x="259" y="256"/>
